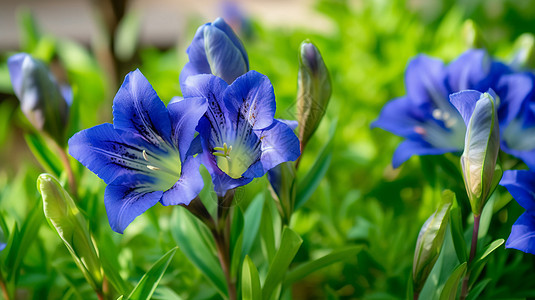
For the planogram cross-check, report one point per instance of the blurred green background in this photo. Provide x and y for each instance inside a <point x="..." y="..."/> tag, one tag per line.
<point x="361" y="199"/>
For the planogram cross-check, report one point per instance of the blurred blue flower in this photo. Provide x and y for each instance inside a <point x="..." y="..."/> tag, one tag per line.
<point x="240" y="138"/>
<point x="424" y="116"/>
<point x="216" y="50"/>
<point x="517" y="117"/>
<point x="142" y="156"/>
<point x="521" y="184"/>
<point x="42" y="100"/>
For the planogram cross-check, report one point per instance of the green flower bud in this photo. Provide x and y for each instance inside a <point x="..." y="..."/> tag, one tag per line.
<point x="430" y="241"/>
<point x="63" y="215"/>
<point x="481" y="146"/>
<point x="524" y="52"/>
<point x="314" y="91"/>
<point x="42" y="101"/>
<point x="472" y="35"/>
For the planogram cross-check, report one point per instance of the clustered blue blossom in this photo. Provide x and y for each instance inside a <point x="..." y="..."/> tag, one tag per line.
<point x="431" y="125"/>
<point x="152" y="153"/>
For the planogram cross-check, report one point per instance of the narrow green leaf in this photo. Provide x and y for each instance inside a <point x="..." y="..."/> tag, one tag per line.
<point x="310" y="267"/>
<point x="252" y="218"/>
<point x="193" y="239"/>
<point x="127" y="35"/>
<point x="148" y="283"/>
<point x="307" y="186"/>
<point x="478" y="289"/>
<point x="20" y="244"/>
<point x="250" y="281"/>
<point x="457" y="234"/>
<point x="290" y="243"/>
<point x="43" y="154"/>
<point x="30" y="33"/>
<point x="449" y="292"/>
<point x="267" y="232"/>
<point x="481" y="260"/>
<point x="410" y="288"/>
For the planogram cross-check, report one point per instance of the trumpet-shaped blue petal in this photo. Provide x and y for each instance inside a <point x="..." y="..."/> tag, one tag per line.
<point x="425" y="116"/>
<point x="217" y="50"/>
<point x="252" y="97"/>
<point x="143" y="156"/>
<point x="279" y="145"/>
<point x="521" y="185"/>
<point x="522" y="235"/>
<point x="409" y="148"/>
<point x="239" y="136"/>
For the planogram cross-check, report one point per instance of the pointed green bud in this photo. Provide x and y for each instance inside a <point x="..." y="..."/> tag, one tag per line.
<point x="42" y="101"/>
<point x="65" y="218"/>
<point x="481" y="145"/>
<point x="472" y="35"/>
<point x="524" y="52"/>
<point x="314" y="91"/>
<point x="430" y="240"/>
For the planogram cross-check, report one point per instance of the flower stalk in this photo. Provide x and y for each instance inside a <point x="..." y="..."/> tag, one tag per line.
<point x="473" y="249"/>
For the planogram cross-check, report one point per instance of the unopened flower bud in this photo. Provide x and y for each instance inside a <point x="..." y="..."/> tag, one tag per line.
<point x="42" y="101"/>
<point x="314" y="91"/>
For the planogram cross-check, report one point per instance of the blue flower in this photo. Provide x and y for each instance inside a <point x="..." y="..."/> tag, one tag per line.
<point x="521" y="184"/>
<point x="142" y="156"/>
<point x="424" y="116"/>
<point x="42" y="100"/>
<point x="239" y="136"/>
<point x="517" y="117"/>
<point x="216" y="50"/>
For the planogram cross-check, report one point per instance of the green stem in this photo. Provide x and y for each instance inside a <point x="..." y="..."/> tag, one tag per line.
<point x="473" y="249"/>
<point x="70" y="174"/>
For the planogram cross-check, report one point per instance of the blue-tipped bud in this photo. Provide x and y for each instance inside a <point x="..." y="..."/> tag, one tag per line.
<point x="482" y="143"/>
<point x="42" y="101"/>
<point x="314" y="91"/>
<point x="216" y="50"/>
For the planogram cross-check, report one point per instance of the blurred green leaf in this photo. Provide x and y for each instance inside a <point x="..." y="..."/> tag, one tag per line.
<point x="479" y="262"/>
<point x="250" y="281"/>
<point x="449" y="292"/>
<point x="310" y="267"/>
<point x="191" y="238"/>
<point x="127" y="36"/>
<point x="457" y="234"/>
<point x="307" y="186"/>
<point x="290" y="243"/>
<point x="29" y="30"/>
<point x="48" y="160"/>
<point x="252" y="218"/>
<point x="478" y="288"/>
<point x="148" y="283"/>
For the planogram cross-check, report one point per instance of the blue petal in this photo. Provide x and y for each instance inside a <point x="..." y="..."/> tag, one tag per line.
<point x="14" y="64"/>
<point x="221" y="24"/>
<point x="409" y="148"/>
<point x="521" y="185"/>
<point x="425" y="81"/>
<point x="279" y="144"/>
<point x="514" y="90"/>
<point x="221" y="181"/>
<point x="198" y="63"/>
<point x="470" y="71"/>
<point x="465" y="102"/>
<point x="187" y="187"/>
<point x="225" y="59"/>
<point x="137" y="109"/>
<point x="291" y="123"/>
<point x="522" y="235"/>
<point x="528" y="157"/>
<point x="251" y="96"/>
<point x="185" y="116"/>
<point x="114" y="154"/>
<point x="400" y="117"/>
<point x="125" y="202"/>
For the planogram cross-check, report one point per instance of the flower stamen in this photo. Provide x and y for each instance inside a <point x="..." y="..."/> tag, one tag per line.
<point x="223" y="151"/>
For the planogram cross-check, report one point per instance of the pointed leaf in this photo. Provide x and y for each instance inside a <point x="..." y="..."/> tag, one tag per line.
<point x="250" y="281"/>
<point x="457" y="234"/>
<point x="290" y="243"/>
<point x="252" y="218"/>
<point x="449" y="292"/>
<point x="148" y="283"/>
<point x="481" y="260"/>
<point x="46" y="158"/>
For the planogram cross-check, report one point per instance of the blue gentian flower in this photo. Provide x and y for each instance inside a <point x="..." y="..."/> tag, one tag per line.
<point x="517" y="117"/>
<point x="239" y="136"/>
<point x="142" y="156"/>
<point x="42" y="100"/>
<point x="216" y="50"/>
<point x="424" y="116"/>
<point x="521" y="184"/>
